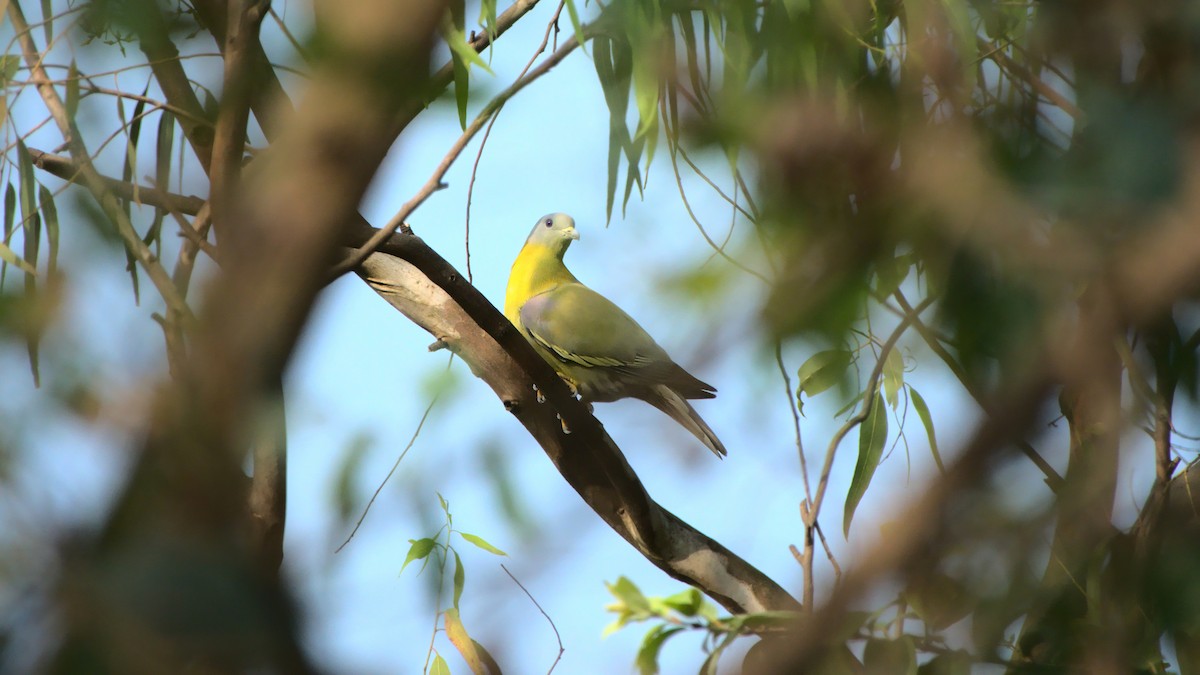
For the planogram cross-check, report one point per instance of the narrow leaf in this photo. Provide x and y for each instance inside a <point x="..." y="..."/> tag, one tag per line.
<point x="460" y="578"/>
<point x="419" y="550"/>
<point x="10" y="257"/>
<point x="10" y="209"/>
<point x="893" y="377"/>
<point x="872" y="435"/>
<point x="50" y="218"/>
<point x="462" y="641"/>
<point x="48" y="22"/>
<point x="573" y="12"/>
<point x="479" y="541"/>
<point x="926" y="419"/>
<point x="72" y="91"/>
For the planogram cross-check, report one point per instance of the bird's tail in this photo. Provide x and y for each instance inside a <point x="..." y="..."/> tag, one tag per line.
<point x="677" y="408"/>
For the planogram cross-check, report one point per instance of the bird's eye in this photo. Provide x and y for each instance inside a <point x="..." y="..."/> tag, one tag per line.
<point x="549" y="222"/>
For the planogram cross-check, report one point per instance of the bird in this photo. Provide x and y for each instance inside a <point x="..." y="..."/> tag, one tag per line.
<point x="601" y="352"/>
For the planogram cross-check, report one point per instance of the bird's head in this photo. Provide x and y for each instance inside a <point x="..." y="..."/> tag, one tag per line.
<point x="555" y="231"/>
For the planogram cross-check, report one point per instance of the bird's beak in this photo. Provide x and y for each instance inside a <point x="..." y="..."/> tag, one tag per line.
<point x="571" y="233"/>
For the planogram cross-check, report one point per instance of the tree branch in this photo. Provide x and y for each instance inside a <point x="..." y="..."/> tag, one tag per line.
<point x="430" y="292"/>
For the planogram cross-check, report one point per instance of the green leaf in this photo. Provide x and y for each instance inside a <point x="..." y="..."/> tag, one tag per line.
<point x="462" y="57"/>
<point x="419" y="550"/>
<point x="439" y="667"/>
<point x="72" y="103"/>
<point x="9" y="65"/>
<point x="647" y="655"/>
<point x="893" y="376"/>
<point x="479" y="541"/>
<point x="48" y="22"/>
<point x="50" y="218"/>
<point x="487" y="18"/>
<point x="939" y="599"/>
<point x="573" y="13"/>
<point x="345" y="494"/>
<point x="10" y="257"/>
<point x="951" y="663"/>
<point x="629" y="594"/>
<point x="687" y="602"/>
<point x="923" y="412"/>
<point x="460" y="578"/>
<point x="770" y="619"/>
<point x="872" y="435"/>
<point x="822" y="371"/>
<point x="10" y="209"/>
<point x="890" y="657"/>
<point x="444" y="504"/>
<point x="891" y="273"/>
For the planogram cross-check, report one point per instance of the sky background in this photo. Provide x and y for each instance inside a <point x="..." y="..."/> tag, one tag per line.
<point x="362" y="377"/>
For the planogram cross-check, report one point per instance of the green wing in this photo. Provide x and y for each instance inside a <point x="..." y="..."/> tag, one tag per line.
<point x="580" y="326"/>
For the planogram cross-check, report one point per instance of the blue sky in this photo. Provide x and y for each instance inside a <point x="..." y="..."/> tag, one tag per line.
<point x="362" y="371"/>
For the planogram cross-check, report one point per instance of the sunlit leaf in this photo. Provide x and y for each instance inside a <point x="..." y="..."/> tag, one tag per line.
<point x="872" y="435"/>
<point x="926" y="419"/>
<point x="457" y="633"/>
<point x="9" y="65"/>
<point x="687" y="602"/>
<point x="479" y="541"/>
<point x="893" y="376"/>
<point x="439" y="666"/>
<point x="419" y="550"/>
<point x="822" y="371"/>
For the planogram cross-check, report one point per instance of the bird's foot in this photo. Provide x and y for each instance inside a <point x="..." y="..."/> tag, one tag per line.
<point x="565" y="428"/>
<point x="541" y="398"/>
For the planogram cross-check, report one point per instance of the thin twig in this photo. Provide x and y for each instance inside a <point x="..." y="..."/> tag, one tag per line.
<point x="92" y="180"/>
<point x="435" y="181"/>
<point x="868" y="402"/>
<point x="395" y="465"/>
<point x="532" y="599"/>
<point x="488" y="134"/>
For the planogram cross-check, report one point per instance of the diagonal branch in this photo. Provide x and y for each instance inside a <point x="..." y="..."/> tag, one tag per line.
<point x="430" y="292"/>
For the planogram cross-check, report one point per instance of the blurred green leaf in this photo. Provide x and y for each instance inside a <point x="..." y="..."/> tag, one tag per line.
<point x="872" y="435"/>
<point x="48" y="22"/>
<point x="687" y="602"/>
<point x="419" y="550"/>
<point x="576" y="24"/>
<point x="890" y="657"/>
<point x="647" y="654"/>
<point x="72" y="86"/>
<point x="479" y="542"/>
<point x="487" y="19"/>
<point x="9" y="65"/>
<point x="926" y="419"/>
<point x="822" y="371"/>
<point x="10" y="209"/>
<point x="893" y="376"/>
<point x="345" y="494"/>
<point x="439" y="666"/>
<point x="939" y="599"/>
<point x="50" y="218"/>
<point x="460" y="578"/>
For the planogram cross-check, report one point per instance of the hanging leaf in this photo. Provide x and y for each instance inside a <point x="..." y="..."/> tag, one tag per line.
<point x="647" y="655"/>
<point x="926" y="419"/>
<point x="893" y="376"/>
<point x="460" y="578"/>
<point x="457" y="632"/>
<point x="72" y="102"/>
<point x="890" y="657"/>
<point x="822" y="371"/>
<point x="576" y="24"/>
<point x="872" y="436"/>
<point x="50" y="218"/>
<point x="10" y="209"/>
<point x="439" y="666"/>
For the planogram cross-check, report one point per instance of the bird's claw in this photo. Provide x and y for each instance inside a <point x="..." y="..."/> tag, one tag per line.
<point x="565" y="428"/>
<point x="541" y="398"/>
